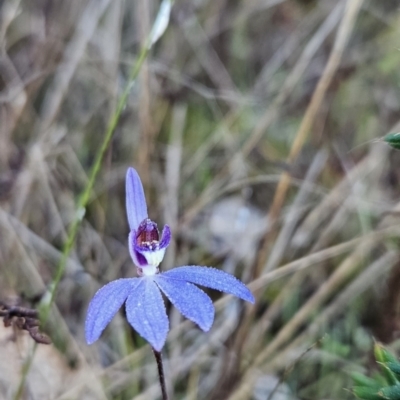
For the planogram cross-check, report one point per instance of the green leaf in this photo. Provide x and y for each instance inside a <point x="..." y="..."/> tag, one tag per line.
<point x="362" y="380"/>
<point x="383" y="356"/>
<point x="394" y="366"/>
<point x="391" y="392"/>
<point x="387" y="393"/>
<point x="393" y="140"/>
<point x="367" y="393"/>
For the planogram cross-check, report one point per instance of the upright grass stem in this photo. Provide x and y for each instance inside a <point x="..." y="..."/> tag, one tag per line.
<point x="161" y="376"/>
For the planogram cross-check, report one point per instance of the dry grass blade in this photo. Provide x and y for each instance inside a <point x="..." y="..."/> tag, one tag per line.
<point x="293" y="215"/>
<point x="371" y="164"/>
<point x="296" y="74"/>
<point x="172" y="177"/>
<point x="34" y="242"/>
<point x="338" y="278"/>
<point x="366" y="279"/>
<point x="342" y="37"/>
<point x="72" y="56"/>
<point x="271" y="114"/>
<point x="346" y="269"/>
<point x="320" y="256"/>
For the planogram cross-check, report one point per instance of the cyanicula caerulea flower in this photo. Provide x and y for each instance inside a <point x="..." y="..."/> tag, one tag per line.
<point x="145" y="309"/>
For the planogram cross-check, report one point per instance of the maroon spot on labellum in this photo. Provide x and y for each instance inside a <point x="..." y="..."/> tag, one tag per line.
<point x="147" y="233"/>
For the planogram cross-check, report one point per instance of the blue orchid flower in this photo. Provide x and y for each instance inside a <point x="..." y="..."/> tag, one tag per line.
<point x="145" y="308"/>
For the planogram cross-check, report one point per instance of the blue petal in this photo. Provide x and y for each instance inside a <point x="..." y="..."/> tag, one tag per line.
<point x="136" y="207"/>
<point x="105" y="304"/>
<point x="212" y="278"/>
<point x="192" y="302"/>
<point x="165" y="237"/>
<point x="145" y="311"/>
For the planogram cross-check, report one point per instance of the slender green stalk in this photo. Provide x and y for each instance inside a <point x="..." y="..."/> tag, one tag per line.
<point x="161" y="376"/>
<point x="25" y="369"/>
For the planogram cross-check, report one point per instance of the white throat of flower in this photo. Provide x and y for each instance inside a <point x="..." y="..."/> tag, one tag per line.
<point x="149" y="270"/>
<point x="154" y="257"/>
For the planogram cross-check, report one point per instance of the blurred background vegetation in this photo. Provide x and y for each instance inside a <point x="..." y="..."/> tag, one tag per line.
<point x="255" y="126"/>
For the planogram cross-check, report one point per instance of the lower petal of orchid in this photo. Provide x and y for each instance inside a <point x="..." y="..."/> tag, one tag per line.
<point x="105" y="304"/>
<point x="145" y="311"/>
<point x="212" y="278"/>
<point x="192" y="302"/>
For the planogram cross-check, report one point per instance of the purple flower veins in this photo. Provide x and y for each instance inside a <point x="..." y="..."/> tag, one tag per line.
<point x="145" y="309"/>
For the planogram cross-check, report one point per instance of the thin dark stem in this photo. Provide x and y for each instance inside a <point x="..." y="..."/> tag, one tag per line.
<point x="161" y="376"/>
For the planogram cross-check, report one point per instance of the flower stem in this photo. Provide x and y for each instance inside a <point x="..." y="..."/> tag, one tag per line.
<point x="161" y="375"/>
